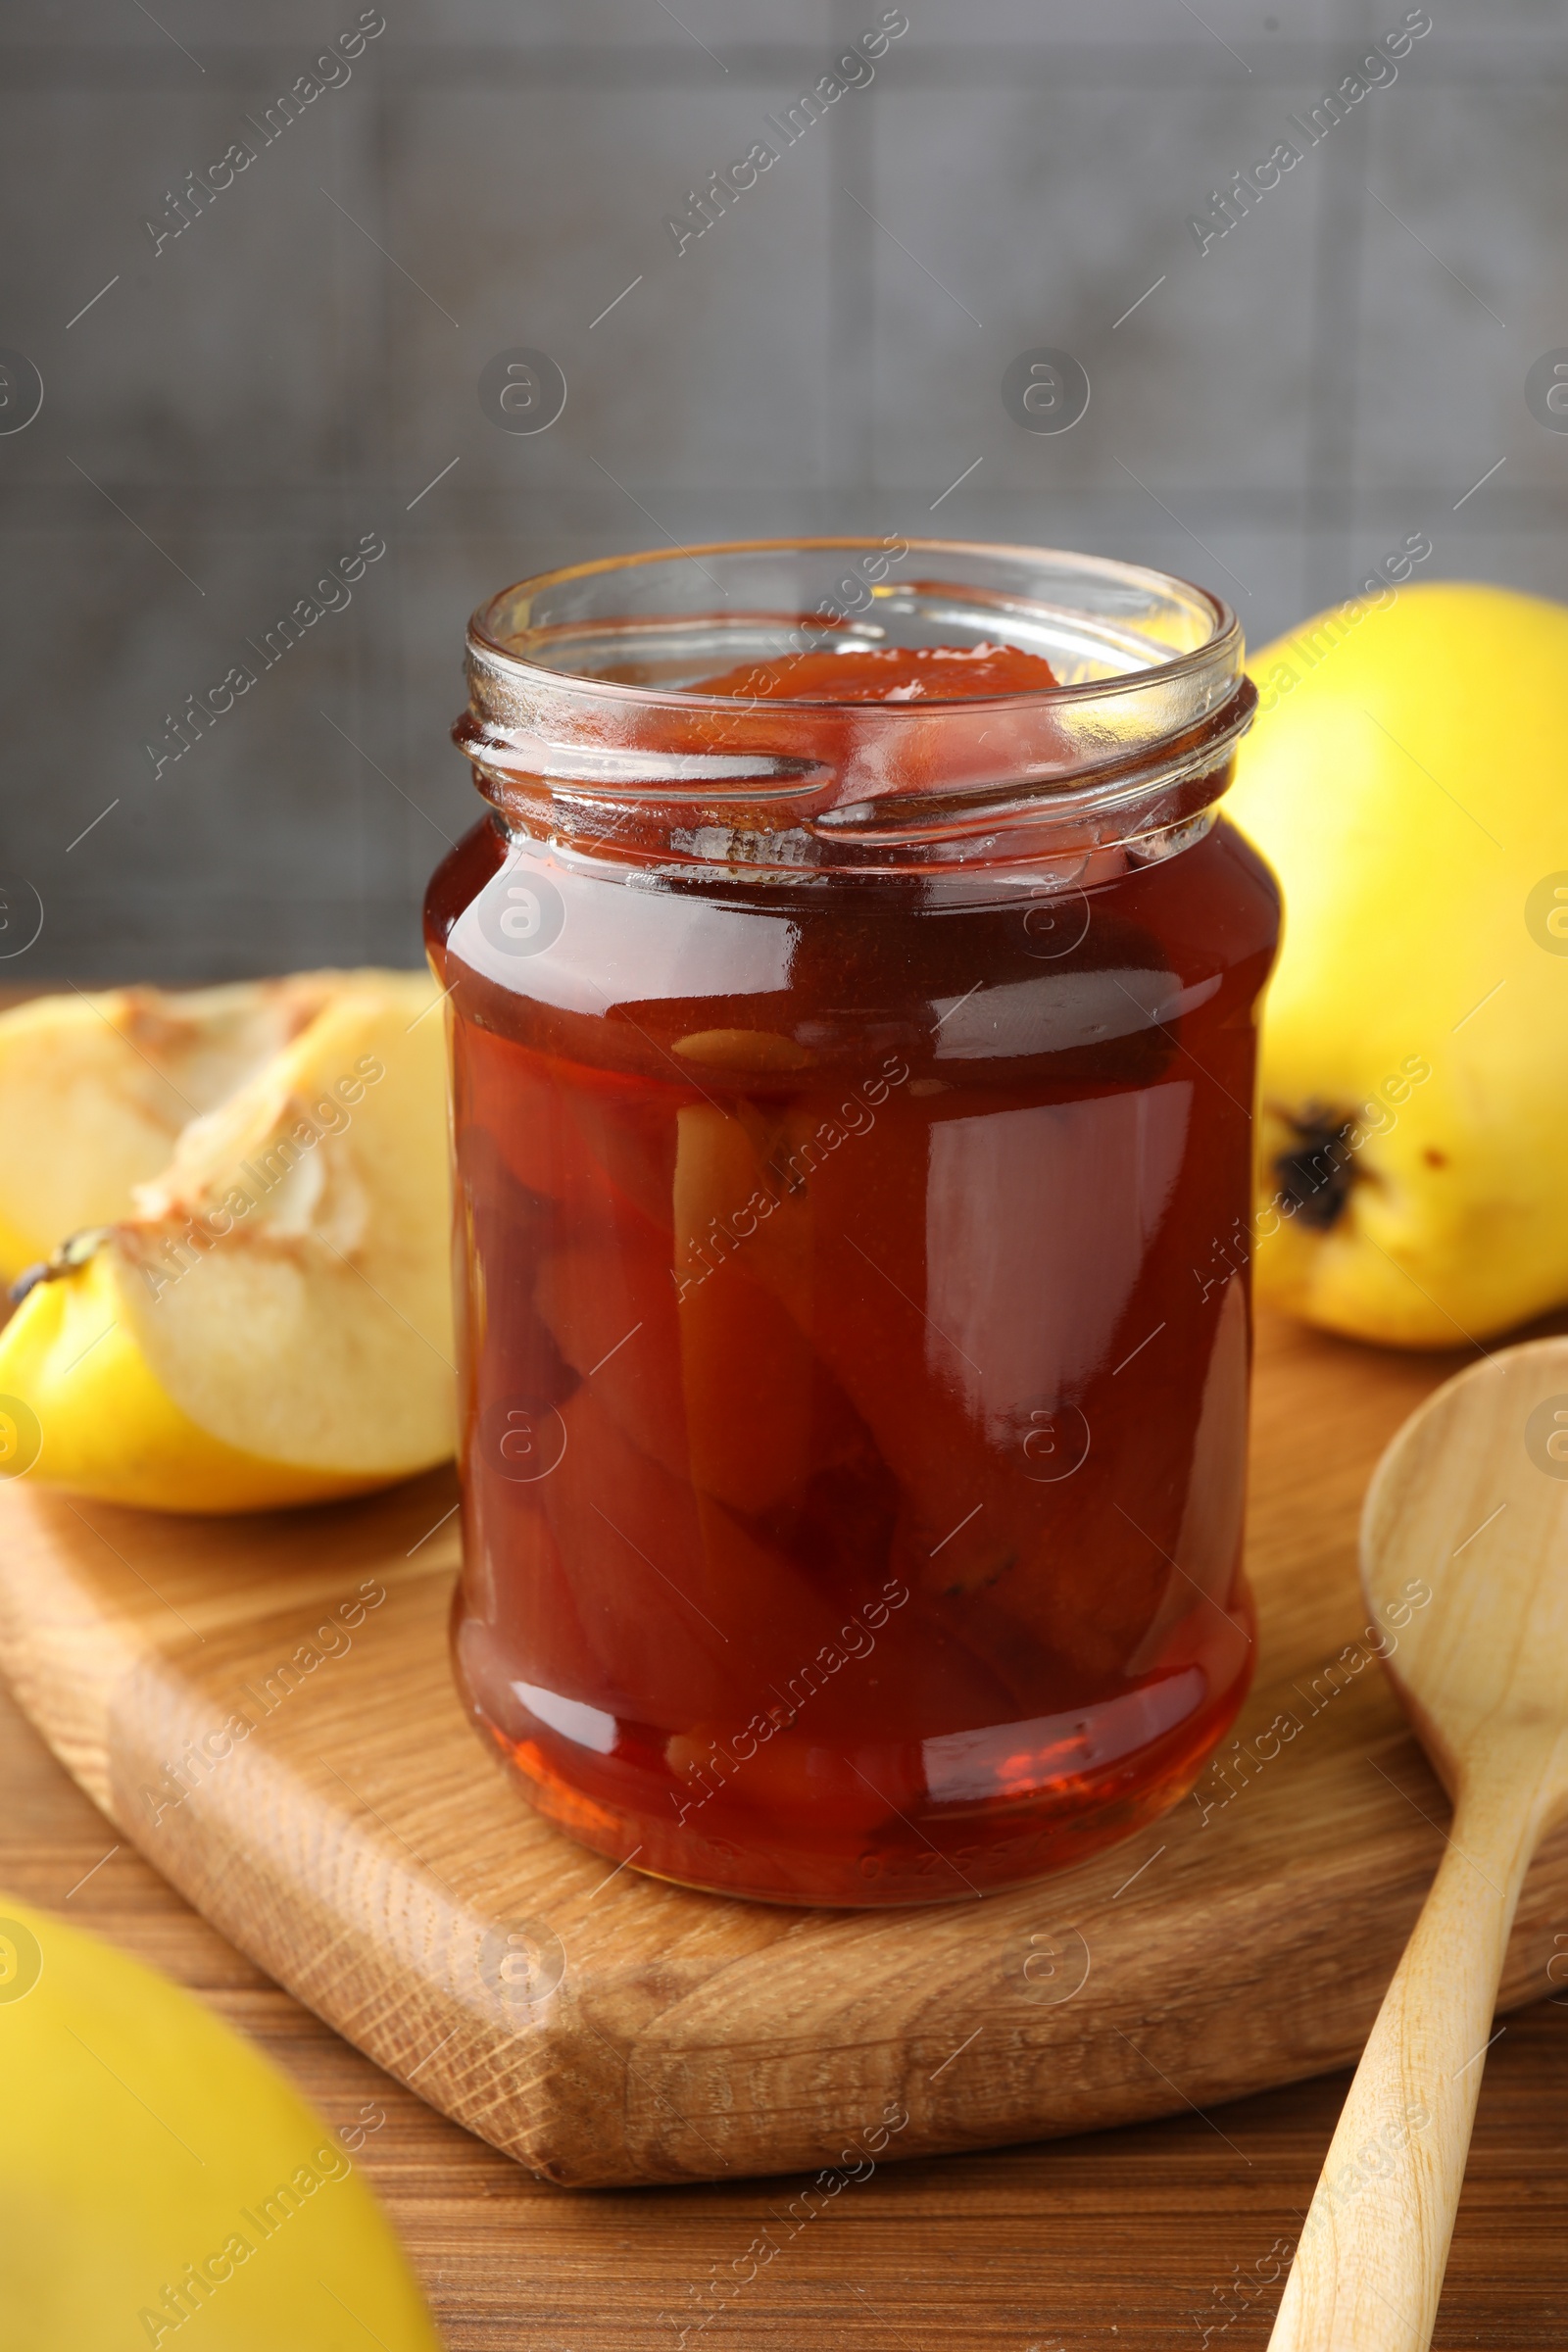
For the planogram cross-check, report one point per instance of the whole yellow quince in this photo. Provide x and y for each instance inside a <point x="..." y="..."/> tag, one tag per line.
<point x="159" y="2176"/>
<point x="1407" y="779"/>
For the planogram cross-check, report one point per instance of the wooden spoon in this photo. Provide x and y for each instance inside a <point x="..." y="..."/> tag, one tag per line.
<point x="1472" y="1499"/>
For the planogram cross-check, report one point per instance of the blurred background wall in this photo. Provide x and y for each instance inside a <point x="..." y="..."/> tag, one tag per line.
<point x="230" y="409"/>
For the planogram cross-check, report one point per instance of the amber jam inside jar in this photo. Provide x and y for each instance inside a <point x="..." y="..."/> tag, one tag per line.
<point x="852" y="1002"/>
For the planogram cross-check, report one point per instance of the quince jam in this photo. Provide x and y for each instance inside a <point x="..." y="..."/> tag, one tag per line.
<point x="891" y="674"/>
<point x="855" y="1291"/>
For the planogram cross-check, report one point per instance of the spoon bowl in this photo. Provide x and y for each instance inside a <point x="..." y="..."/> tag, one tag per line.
<point x="1471" y="1497"/>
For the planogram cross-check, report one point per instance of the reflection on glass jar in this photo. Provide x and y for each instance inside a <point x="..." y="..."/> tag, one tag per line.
<point x="852" y="1001"/>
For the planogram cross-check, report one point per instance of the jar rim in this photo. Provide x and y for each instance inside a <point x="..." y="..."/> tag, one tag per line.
<point x="1225" y="631"/>
<point x="623" y="754"/>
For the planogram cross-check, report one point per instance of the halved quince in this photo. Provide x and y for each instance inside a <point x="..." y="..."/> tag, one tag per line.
<point x="273" y="1324"/>
<point x="95" y="1089"/>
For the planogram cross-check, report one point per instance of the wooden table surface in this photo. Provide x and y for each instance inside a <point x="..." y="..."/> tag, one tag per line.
<point x="1132" y="2239"/>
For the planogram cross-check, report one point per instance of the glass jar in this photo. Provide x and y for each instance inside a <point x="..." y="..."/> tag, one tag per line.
<point x="852" y="1112"/>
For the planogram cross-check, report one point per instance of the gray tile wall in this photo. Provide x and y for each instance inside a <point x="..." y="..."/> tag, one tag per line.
<point x="296" y="366"/>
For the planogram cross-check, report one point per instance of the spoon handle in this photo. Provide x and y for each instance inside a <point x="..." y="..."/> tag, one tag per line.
<point x="1369" y="2264"/>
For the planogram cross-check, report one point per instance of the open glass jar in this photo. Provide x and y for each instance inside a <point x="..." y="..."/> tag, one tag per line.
<point x="852" y="1106"/>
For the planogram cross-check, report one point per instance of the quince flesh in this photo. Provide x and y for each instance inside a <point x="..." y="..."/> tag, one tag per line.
<point x="96" y="1089"/>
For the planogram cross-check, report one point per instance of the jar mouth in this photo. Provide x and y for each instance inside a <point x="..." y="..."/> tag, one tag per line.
<point x="587" y="701"/>
<point x="561" y="623"/>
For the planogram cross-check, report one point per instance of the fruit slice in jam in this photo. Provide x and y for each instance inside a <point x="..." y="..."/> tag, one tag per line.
<point x="890" y="673"/>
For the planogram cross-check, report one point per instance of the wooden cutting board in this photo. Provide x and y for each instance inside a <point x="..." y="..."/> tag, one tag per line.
<point x="360" y="1844"/>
